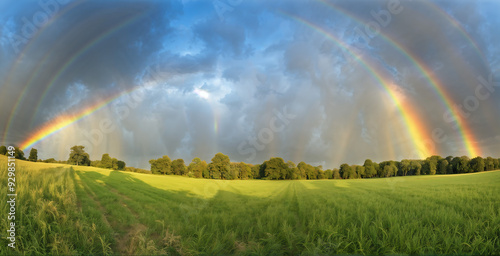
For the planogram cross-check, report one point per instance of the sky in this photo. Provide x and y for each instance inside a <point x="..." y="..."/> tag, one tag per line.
<point x="324" y="82"/>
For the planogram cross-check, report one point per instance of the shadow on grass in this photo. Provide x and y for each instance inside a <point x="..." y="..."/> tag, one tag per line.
<point x="227" y="222"/>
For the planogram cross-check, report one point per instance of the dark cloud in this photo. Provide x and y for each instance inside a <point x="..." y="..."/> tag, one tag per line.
<point x="207" y="82"/>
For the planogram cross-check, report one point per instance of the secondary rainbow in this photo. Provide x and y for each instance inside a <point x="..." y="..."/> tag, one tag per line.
<point x="464" y="128"/>
<point x="415" y="126"/>
<point x="82" y="51"/>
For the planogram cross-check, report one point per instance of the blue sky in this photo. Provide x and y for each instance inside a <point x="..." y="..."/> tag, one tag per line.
<point x="251" y="79"/>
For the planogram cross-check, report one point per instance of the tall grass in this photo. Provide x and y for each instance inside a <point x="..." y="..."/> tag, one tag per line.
<point x="128" y="213"/>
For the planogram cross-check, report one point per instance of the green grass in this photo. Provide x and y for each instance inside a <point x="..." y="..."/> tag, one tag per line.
<point x="85" y="210"/>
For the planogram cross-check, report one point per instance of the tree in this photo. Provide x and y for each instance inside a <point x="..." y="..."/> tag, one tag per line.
<point x="489" y="164"/>
<point x="33" y="155"/>
<point x="347" y="172"/>
<point x="50" y="160"/>
<point x="78" y="156"/>
<point x="336" y="173"/>
<point x="121" y="165"/>
<point x="256" y="171"/>
<point x="360" y="171"/>
<point x="3" y="150"/>
<point x="415" y="167"/>
<point x="303" y="169"/>
<point x="115" y="163"/>
<point x="476" y="164"/>
<point x="106" y="161"/>
<point x="178" y="167"/>
<point x="18" y="154"/>
<point x="294" y="173"/>
<point x="463" y="166"/>
<point x="404" y="165"/>
<point x="161" y="165"/>
<point x="329" y="174"/>
<point x="197" y="167"/>
<point x="275" y="169"/>
<point x="496" y="163"/>
<point x="369" y="169"/>
<point x="219" y="167"/>
<point x="245" y="171"/>
<point x="442" y="166"/>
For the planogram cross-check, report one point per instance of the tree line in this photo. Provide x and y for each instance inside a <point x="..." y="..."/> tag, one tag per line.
<point x="276" y="168"/>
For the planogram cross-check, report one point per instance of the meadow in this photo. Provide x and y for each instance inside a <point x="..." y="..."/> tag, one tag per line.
<point x="65" y="209"/>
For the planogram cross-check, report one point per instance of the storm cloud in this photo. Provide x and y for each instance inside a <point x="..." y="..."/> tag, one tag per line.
<point x="312" y="81"/>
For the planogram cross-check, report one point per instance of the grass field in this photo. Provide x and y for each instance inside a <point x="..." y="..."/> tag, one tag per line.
<point x="86" y="210"/>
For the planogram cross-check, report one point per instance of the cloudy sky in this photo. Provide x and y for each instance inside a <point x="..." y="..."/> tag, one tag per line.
<point x="325" y="82"/>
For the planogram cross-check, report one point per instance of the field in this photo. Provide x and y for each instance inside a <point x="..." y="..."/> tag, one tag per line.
<point x="83" y="210"/>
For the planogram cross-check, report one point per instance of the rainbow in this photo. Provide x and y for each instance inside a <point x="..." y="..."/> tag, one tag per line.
<point x="23" y="53"/>
<point x="63" y="121"/>
<point x="82" y="51"/>
<point x="415" y="126"/>
<point x="464" y="129"/>
<point x="63" y="68"/>
<point x="458" y="26"/>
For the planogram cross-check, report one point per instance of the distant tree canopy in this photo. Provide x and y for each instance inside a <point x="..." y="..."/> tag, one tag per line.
<point x="3" y="150"/>
<point x="109" y="163"/>
<point x="161" y="165"/>
<point x="178" y="167"/>
<point x="78" y="156"/>
<point x="33" y="155"/>
<point x="219" y="167"/>
<point x="277" y="169"/>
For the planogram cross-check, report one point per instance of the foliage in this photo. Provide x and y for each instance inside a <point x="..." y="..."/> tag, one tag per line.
<point x="219" y="167"/>
<point x="33" y="155"/>
<point x="3" y="150"/>
<point x="161" y="165"/>
<point x="178" y="167"/>
<point x="78" y="156"/>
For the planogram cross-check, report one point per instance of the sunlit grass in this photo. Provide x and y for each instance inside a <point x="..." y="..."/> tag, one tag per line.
<point x="91" y="210"/>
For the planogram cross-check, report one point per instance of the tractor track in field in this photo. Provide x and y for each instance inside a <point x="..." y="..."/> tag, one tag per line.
<point x="92" y="196"/>
<point x="125" y="238"/>
<point x="126" y="242"/>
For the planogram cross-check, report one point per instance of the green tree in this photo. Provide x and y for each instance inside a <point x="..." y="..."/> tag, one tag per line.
<point x="404" y="165"/>
<point x="219" y="167"/>
<point x="245" y="171"/>
<point x="496" y="163"/>
<point x="347" y="172"/>
<point x="121" y="165"/>
<point x="293" y="171"/>
<point x="197" y="167"/>
<point x="33" y="155"/>
<point x="370" y="170"/>
<point x="275" y="169"/>
<point x="415" y="167"/>
<point x="50" y="160"/>
<point x="476" y="164"/>
<point x="329" y="174"/>
<point x="256" y="171"/>
<point x="178" y="167"/>
<point x="106" y="161"/>
<point x="303" y="169"/>
<point x="3" y="150"/>
<point x="161" y="165"/>
<point x="489" y="164"/>
<point x="463" y="166"/>
<point x="78" y="156"/>
<point x="18" y="154"/>
<point x="336" y="173"/>
<point x="360" y="171"/>
<point x="442" y="166"/>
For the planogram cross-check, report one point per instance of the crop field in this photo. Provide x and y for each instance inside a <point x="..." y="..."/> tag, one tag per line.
<point x="64" y="209"/>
